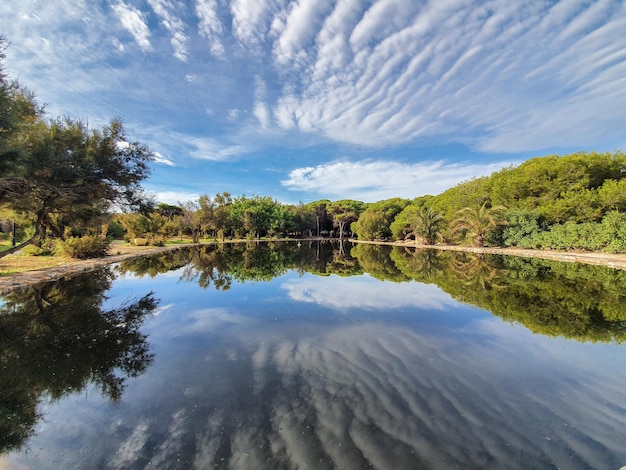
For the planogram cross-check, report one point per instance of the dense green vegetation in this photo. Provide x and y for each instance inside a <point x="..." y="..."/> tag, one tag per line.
<point x="61" y="180"/>
<point x="571" y="202"/>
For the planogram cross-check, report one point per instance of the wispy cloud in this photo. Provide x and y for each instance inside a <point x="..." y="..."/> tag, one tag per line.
<point x="210" y="25"/>
<point x="374" y="180"/>
<point x="399" y="70"/>
<point x="158" y="158"/>
<point x="174" y="25"/>
<point x="213" y="149"/>
<point x="134" y="22"/>
<point x="187" y="146"/>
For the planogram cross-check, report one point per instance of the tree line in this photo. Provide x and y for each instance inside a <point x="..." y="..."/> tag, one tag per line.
<point x="575" y="201"/>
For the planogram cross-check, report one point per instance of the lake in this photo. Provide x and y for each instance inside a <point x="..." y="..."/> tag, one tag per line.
<point x="317" y="355"/>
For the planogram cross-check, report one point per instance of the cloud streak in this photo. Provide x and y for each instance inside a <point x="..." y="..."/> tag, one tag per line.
<point x="374" y="180"/>
<point x="134" y="22"/>
<point x="174" y="25"/>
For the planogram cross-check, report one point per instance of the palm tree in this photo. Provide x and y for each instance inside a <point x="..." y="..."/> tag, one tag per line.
<point x="425" y="226"/>
<point x="476" y="223"/>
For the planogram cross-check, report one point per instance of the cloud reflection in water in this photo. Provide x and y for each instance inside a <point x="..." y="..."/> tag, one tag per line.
<point x="387" y="391"/>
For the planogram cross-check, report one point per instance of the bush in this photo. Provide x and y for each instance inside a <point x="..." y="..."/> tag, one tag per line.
<point x="522" y="228"/>
<point x="85" y="247"/>
<point x="115" y="230"/>
<point x="46" y="249"/>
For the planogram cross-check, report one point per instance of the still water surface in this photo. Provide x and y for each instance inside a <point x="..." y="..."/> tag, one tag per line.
<point x="320" y="356"/>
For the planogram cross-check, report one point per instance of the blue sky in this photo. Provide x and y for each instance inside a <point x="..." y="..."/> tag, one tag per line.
<point x="311" y="99"/>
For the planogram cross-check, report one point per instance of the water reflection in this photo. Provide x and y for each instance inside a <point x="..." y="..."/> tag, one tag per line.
<point x="328" y="356"/>
<point x="557" y="299"/>
<point x="57" y="339"/>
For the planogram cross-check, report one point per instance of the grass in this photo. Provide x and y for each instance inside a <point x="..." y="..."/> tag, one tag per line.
<point x="5" y="243"/>
<point x="17" y="263"/>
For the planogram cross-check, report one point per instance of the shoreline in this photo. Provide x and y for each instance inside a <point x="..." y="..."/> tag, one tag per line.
<point x="16" y="281"/>
<point x="611" y="260"/>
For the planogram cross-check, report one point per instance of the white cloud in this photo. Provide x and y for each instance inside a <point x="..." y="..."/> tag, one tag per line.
<point x="134" y="22"/>
<point x="400" y="70"/>
<point x="262" y="113"/>
<point x="186" y="146"/>
<point x="207" y="320"/>
<point x="174" y="25"/>
<point x="374" y="180"/>
<point x="158" y="158"/>
<point x="300" y="28"/>
<point x="499" y="76"/>
<point x="175" y="197"/>
<point x="261" y="110"/>
<point x="232" y="114"/>
<point x="132" y="447"/>
<point x="210" y="25"/>
<point x="251" y="20"/>
<point x="367" y="293"/>
<point x="212" y="149"/>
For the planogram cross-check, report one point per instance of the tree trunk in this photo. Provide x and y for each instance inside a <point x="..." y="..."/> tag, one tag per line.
<point x="14" y="249"/>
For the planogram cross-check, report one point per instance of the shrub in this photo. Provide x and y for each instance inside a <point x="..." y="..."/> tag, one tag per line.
<point x="85" y="247"/>
<point x="46" y="249"/>
<point x="522" y="228"/>
<point x="115" y="230"/>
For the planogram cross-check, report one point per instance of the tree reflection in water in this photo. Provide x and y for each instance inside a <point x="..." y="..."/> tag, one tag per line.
<point x="571" y="300"/>
<point x="56" y="339"/>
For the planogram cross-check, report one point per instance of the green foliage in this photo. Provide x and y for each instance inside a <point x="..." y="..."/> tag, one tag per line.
<point x="375" y="260"/>
<point x="426" y="226"/>
<point x="303" y="219"/>
<point x="562" y="188"/>
<point x="527" y="231"/>
<point x="258" y="216"/>
<point x="344" y="212"/>
<point x="85" y="247"/>
<point x="323" y="220"/>
<point x="46" y="249"/>
<point x="70" y="171"/>
<point x="61" y="172"/>
<point x="374" y="223"/>
<point x="371" y="225"/>
<point x="522" y="226"/>
<point x="476" y="223"/>
<point x="115" y="230"/>
<point x="473" y="193"/>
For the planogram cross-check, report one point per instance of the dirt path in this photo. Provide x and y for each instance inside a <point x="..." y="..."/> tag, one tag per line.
<point x="67" y="266"/>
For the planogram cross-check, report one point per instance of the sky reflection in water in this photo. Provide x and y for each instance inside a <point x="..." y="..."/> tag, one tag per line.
<point x="312" y="371"/>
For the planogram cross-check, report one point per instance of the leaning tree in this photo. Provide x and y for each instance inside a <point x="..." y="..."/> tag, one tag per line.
<point x="68" y="173"/>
